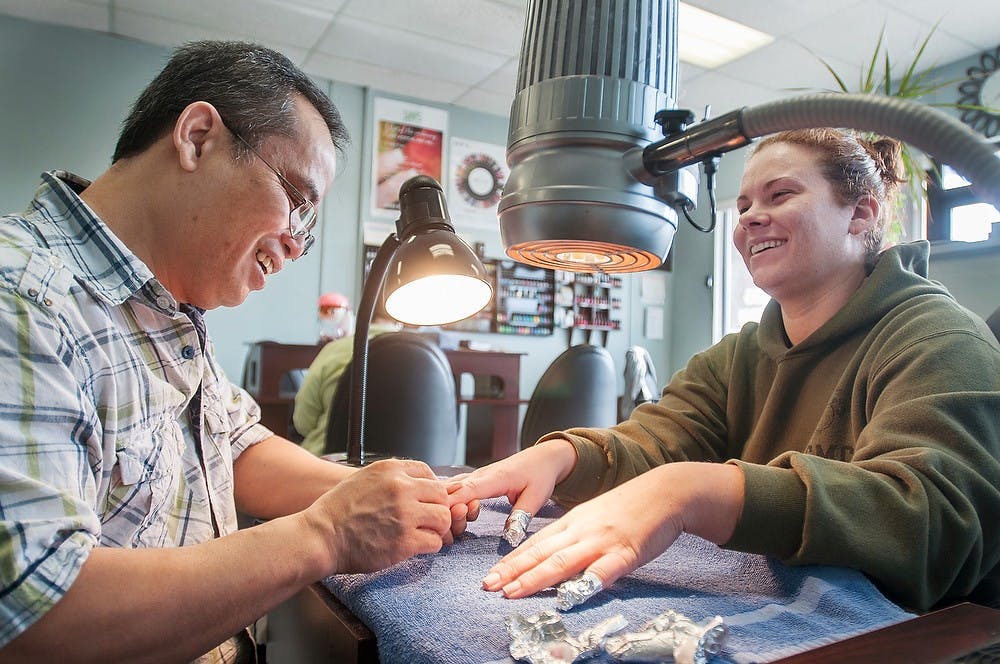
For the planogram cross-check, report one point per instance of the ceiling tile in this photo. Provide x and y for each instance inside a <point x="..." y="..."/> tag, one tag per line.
<point x="366" y="74"/>
<point x="502" y="81"/>
<point x="974" y="21"/>
<point x="488" y="102"/>
<point x="864" y="22"/>
<point x="259" y="20"/>
<point x="87" y="15"/>
<point x="723" y="94"/>
<point x="394" y="49"/>
<point x="482" y="24"/>
<point x="773" y="17"/>
<point x="157" y="30"/>
<point x="687" y="71"/>
<point x="327" y="6"/>
<point x="767" y="67"/>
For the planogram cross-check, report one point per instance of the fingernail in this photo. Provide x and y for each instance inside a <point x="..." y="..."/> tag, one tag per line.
<point x="511" y="588"/>
<point x="490" y="579"/>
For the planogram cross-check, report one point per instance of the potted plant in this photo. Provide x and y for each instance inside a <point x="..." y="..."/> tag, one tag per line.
<point x="880" y="76"/>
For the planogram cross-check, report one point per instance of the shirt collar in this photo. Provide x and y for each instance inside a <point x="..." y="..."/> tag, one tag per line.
<point x="84" y="242"/>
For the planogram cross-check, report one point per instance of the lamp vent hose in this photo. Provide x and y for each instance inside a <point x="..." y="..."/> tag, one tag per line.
<point x="926" y="128"/>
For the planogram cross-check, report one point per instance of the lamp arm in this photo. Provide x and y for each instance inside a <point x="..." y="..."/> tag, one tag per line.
<point x="359" y="362"/>
<point x="926" y="128"/>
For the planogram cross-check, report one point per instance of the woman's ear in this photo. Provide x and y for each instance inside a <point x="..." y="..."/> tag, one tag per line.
<point x="865" y="215"/>
<point x="197" y="128"/>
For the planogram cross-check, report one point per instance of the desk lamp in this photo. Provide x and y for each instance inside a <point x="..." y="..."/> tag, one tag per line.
<point x="427" y="275"/>
<point x="601" y="161"/>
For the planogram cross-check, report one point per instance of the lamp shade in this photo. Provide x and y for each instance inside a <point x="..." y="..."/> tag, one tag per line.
<point x="437" y="279"/>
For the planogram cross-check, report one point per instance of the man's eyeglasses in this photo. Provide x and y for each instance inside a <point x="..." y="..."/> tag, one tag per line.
<point x="302" y="216"/>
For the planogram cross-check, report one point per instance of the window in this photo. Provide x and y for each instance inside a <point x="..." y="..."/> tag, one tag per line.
<point x="736" y="299"/>
<point x="956" y="213"/>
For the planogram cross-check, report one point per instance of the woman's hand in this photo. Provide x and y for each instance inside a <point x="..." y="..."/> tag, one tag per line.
<point x="526" y="478"/>
<point x="618" y="531"/>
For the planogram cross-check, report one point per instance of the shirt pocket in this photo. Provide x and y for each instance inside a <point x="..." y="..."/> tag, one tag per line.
<point x="143" y="490"/>
<point x="218" y="423"/>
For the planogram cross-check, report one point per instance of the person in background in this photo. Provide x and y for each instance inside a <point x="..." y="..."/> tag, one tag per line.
<point x="858" y="424"/>
<point x="313" y="400"/>
<point x="336" y="320"/>
<point x="125" y="451"/>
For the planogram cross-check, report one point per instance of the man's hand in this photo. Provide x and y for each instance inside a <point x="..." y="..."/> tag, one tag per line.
<point x="382" y="514"/>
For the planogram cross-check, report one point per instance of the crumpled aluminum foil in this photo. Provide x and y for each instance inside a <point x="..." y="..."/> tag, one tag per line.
<point x="543" y="639"/>
<point x="686" y="641"/>
<point x="516" y="527"/>
<point x="670" y="637"/>
<point x="577" y="590"/>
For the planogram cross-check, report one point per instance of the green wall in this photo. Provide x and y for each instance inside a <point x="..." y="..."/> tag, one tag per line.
<point x="64" y="101"/>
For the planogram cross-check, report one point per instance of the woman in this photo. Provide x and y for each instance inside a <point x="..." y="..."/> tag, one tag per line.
<point x="856" y="425"/>
<point x="313" y="400"/>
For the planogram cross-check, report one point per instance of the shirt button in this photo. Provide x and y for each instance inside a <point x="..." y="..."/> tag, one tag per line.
<point x="162" y="302"/>
<point x="32" y="292"/>
<point x="54" y="261"/>
<point x="187" y="352"/>
<point x="47" y="302"/>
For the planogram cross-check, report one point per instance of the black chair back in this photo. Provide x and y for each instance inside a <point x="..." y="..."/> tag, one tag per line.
<point x="994" y="322"/>
<point x="410" y="409"/>
<point x="578" y="389"/>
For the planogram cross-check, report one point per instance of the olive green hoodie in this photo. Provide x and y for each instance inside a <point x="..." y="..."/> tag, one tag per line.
<point x="872" y="444"/>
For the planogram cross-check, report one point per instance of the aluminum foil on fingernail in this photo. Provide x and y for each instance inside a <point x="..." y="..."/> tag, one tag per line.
<point x="577" y="590"/>
<point x="516" y="527"/>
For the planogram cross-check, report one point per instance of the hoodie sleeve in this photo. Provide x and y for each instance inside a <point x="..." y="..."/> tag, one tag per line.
<point x="687" y="424"/>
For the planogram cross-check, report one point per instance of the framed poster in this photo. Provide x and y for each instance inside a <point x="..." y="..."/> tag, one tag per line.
<point x="478" y="175"/>
<point x="408" y="139"/>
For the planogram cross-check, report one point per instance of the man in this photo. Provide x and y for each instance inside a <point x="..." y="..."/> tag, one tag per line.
<point x="124" y="451"/>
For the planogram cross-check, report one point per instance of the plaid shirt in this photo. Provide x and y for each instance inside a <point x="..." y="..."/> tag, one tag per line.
<point x="117" y="425"/>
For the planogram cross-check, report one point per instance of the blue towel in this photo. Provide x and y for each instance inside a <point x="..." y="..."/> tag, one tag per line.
<point x="432" y="608"/>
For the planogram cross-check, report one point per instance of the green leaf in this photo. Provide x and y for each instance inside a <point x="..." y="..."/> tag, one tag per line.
<point x="840" y="81"/>
<point x="868" y="78"/>
<point x="887" y="77"/>
<point x="905" y="81"/>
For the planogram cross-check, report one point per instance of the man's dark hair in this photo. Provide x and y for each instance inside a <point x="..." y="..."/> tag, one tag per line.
<point x="252" y="87"/>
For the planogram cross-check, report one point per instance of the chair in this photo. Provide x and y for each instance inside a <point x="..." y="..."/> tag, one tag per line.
<point x="640" y="381"/>
<point x="290" y="382"/>
<point x="994" y="322"/>
<point x="410" y="409"/>
<point x="578" y="389"/>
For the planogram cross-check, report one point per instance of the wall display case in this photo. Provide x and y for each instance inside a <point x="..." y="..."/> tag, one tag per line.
<point x="588" y="302"/>
<point x="524" y="299"/>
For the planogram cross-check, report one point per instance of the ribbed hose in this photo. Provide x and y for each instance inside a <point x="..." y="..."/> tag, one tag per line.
<point x="924" y="127"/>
